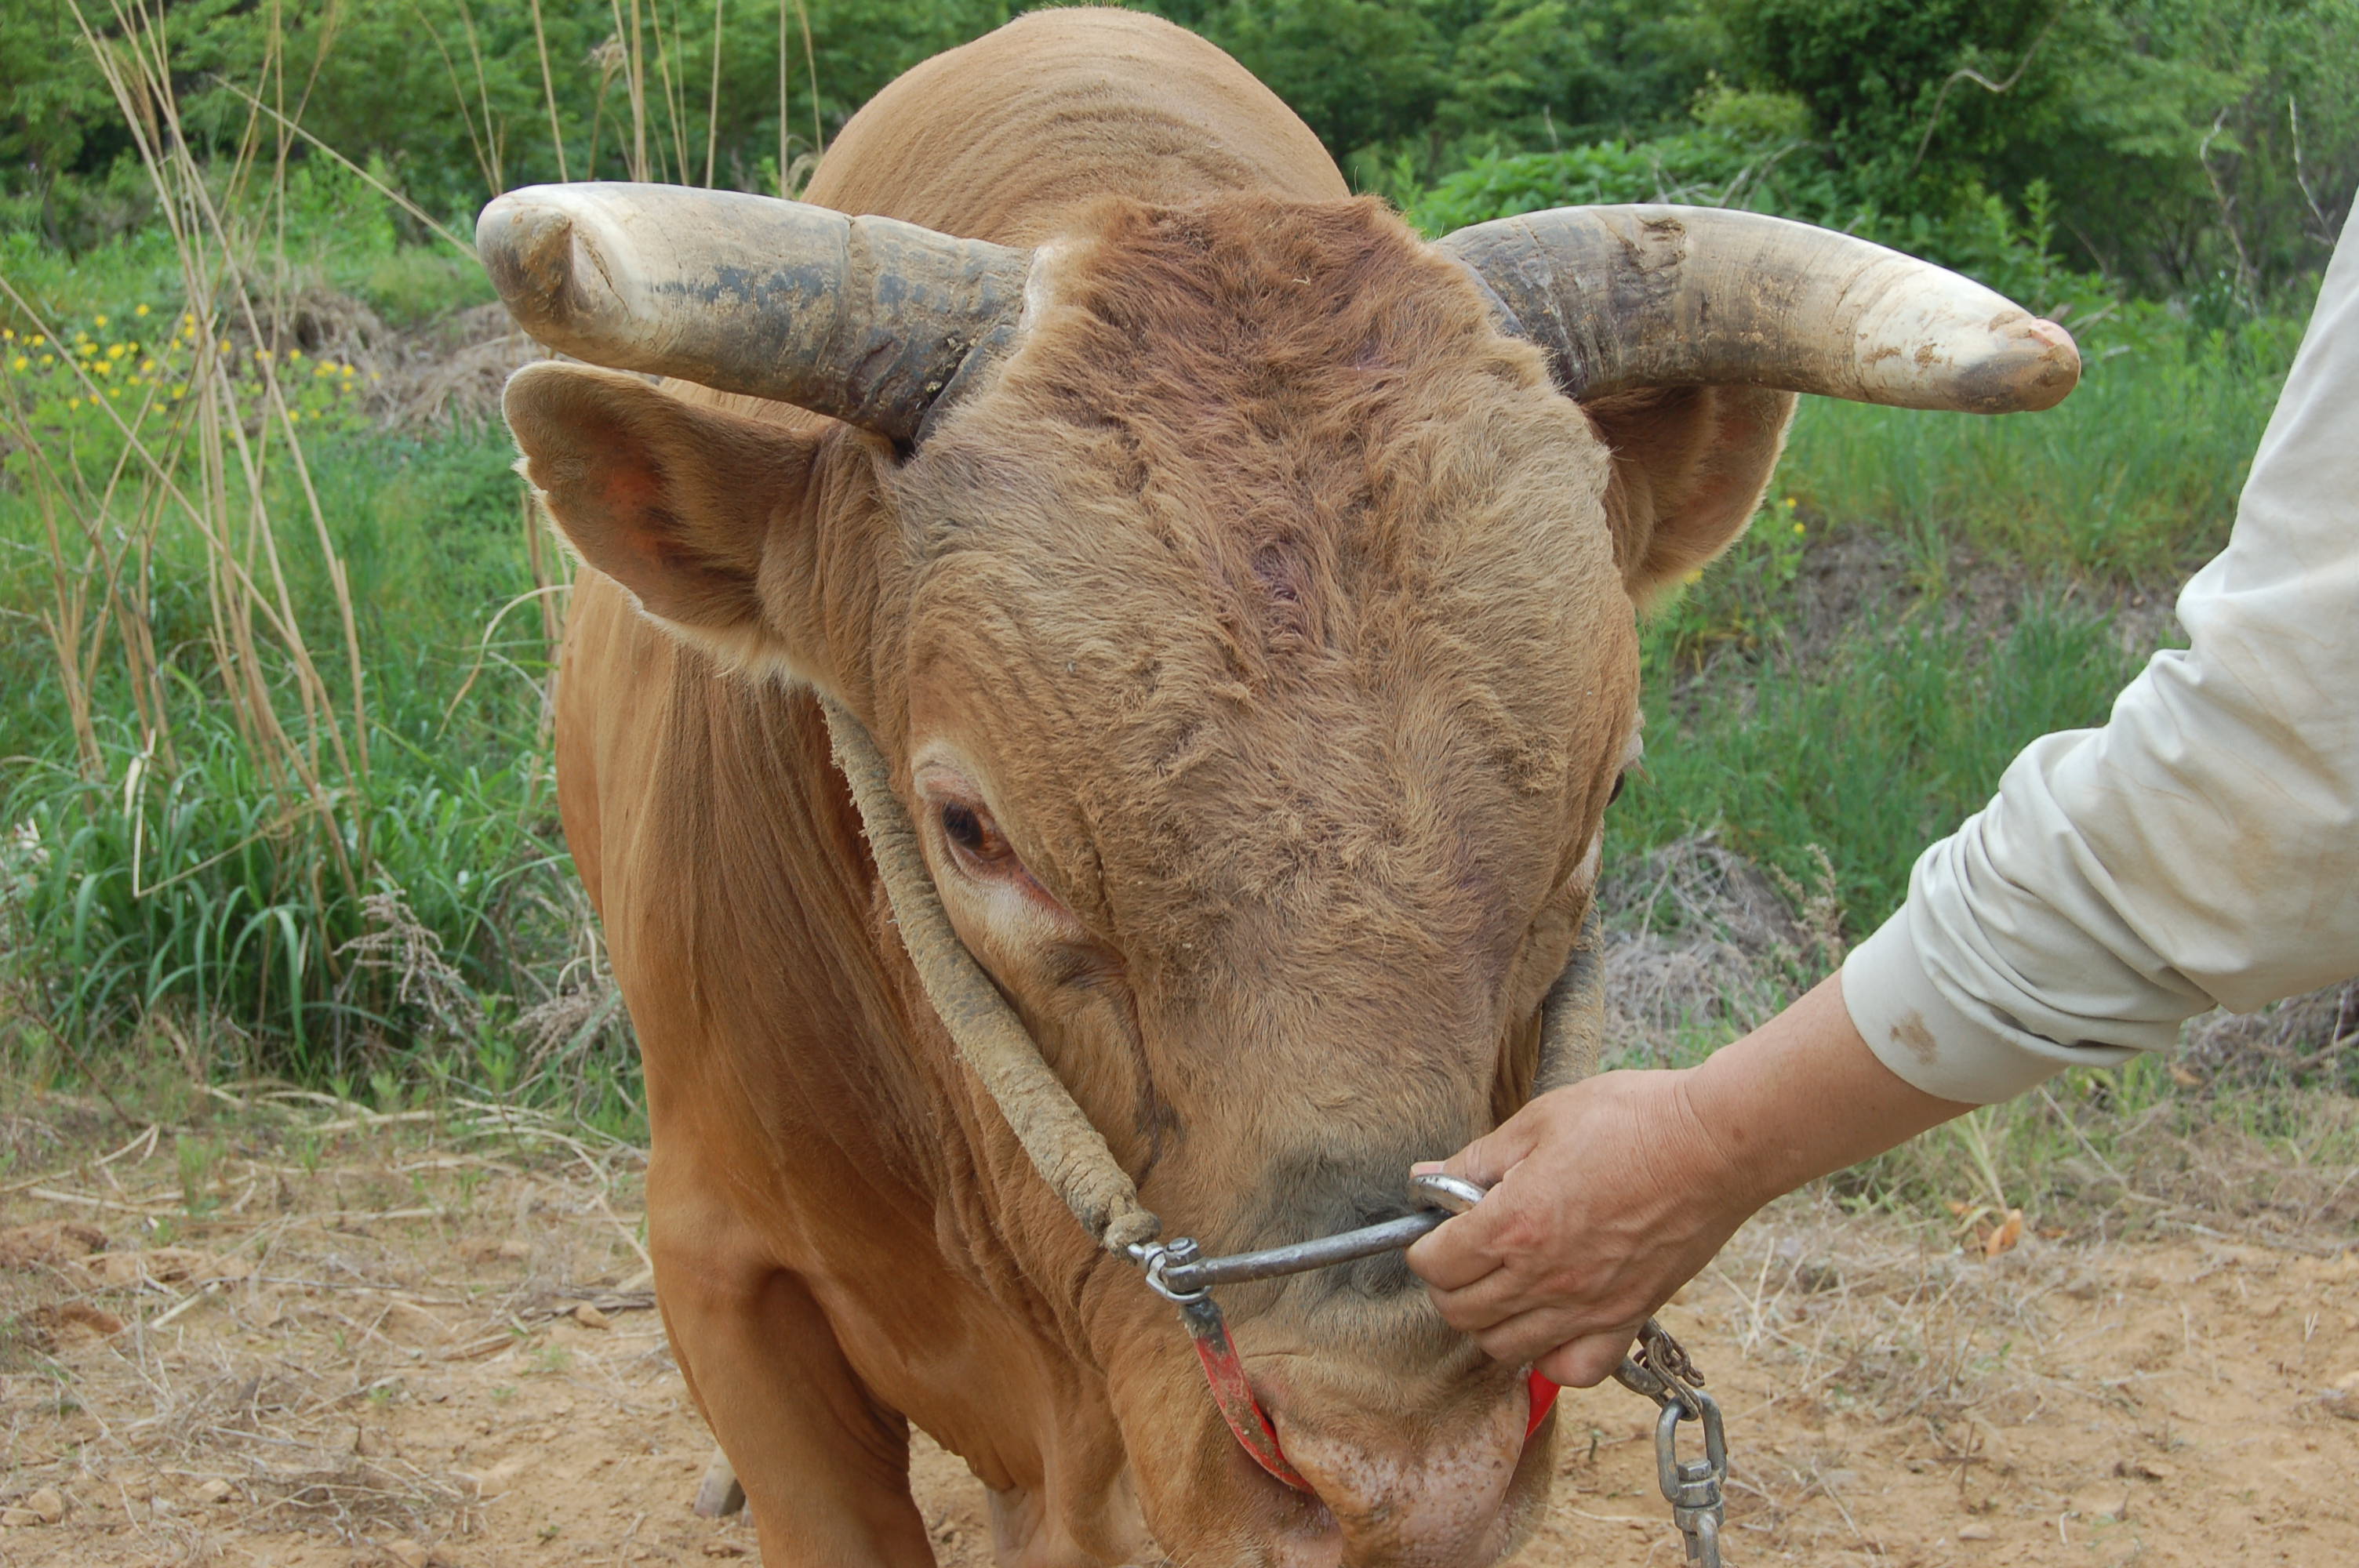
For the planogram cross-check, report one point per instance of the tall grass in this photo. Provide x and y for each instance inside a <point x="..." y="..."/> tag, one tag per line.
<point x="278" y="785"/>
<point x="235" y="768"/>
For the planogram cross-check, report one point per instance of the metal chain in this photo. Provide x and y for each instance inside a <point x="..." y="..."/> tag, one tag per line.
<point x="1661" y="1372"/>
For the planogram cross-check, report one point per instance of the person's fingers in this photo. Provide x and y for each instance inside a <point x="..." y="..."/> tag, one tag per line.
<point x="1511" y="1286"/>
<point x="1528" y="1337"/>
<point x="1453" y="1254"/>
<point x="1585" y="1362"/>
<point x="1494" y="1154"/>
<point x="1459" y="1251"/>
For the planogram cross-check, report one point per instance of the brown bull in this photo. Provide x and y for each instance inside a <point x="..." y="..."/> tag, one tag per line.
<point x="1246" y="613"/>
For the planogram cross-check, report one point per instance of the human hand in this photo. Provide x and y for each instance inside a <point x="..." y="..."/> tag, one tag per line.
<point x="1606" y="1196"/>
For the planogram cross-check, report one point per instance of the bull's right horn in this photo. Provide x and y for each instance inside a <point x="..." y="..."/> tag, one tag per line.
<point x="865" y="319"/>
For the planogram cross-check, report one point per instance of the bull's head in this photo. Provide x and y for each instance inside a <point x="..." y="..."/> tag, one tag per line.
<point x="1243" y="598"/>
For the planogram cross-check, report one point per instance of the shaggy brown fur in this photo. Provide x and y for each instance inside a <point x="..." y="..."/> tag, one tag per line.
<point x="1255" y="649"/>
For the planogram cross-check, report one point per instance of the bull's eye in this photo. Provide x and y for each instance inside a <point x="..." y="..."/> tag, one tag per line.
<point x="963" y="828"/>
<point x="1615" y="794"/>
<point x="975" y="836"/>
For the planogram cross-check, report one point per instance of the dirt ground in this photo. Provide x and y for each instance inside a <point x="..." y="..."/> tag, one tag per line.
<point x="330" y="1338"/>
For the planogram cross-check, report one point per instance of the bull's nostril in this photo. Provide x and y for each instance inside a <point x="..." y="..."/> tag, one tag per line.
<point x="1378" y="1278"/>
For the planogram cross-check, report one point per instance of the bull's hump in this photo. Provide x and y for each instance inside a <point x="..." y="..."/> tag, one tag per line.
<point x="1001" y="138"/>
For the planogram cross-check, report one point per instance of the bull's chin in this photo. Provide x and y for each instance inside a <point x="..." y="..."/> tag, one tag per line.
<point x="1463" y="1497"/>
<point x="1385" y="1493"/>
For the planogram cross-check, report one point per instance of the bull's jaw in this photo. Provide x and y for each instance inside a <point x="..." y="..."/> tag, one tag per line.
<point x="1460" y="1490"/>
<point x="1457" y="1490"/>
<point x="1452" y="1505"/>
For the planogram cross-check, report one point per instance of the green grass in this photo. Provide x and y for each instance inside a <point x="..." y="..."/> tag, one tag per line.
<point x="181" y="883"/>
<point x="1872" y="749"/>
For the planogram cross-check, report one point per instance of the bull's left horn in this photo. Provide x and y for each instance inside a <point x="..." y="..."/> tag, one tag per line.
<point x="1626" y="297"/>
<point x="865" y="319"/>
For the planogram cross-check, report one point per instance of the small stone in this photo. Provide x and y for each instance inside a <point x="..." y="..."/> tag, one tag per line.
<point x="408" y="1553"/>
<point x="2148" y="1469"/>
<point x="47" y="1505"/>
<point x="1977" y="1532"/>
<point x="589" y="1316"/>
<point x="13" y="1518"/>
<point x="723" y="1548"/>
<point x="215" y="1491"/>
<point x="500" y="1477"/>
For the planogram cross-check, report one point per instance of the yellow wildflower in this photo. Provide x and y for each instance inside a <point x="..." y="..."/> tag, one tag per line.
<point x="39" y="340"/>
<point x="139" y="310"/>
<point x="73" y="403"/>
<point x="262" y="354"/>
<point x="188" y="321"/>
<point x="115" y="392"/>
<point x="19" y="362"/>
<point x="294" y="356"/>
<point x="1800" y="530"/>
<point x="49" y="358"/>
<point x="146" y="367"/>
<point x="114" y="350"/>
<point x="178" y="393"/>
<point x="224" y="345"/>
<point x="98" y="321"/>
<point x="7" y="334"/>
<point x="1695" y="576"/>
<point x="104" y="367"/>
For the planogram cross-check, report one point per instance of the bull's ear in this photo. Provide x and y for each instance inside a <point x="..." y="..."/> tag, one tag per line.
<point x="674" y="502"/>
<point x="1689" y="465"/>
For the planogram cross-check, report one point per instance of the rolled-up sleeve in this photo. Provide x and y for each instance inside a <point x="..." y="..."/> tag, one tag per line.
<point x="2200" y="850"/>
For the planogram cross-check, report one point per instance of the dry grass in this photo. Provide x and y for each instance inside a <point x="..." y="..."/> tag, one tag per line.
<point x="1703" y="945"/>
<point x="266" y="1306"/>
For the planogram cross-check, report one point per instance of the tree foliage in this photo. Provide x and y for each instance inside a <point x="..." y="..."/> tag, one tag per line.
<point x="2195" y="147"/>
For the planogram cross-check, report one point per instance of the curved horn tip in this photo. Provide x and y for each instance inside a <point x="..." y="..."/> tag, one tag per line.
<point x="527" y="247"/>
<point x="2035" y="367"/>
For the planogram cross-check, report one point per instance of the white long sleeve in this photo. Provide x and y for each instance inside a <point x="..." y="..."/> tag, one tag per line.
<point x="2200" y="850"/>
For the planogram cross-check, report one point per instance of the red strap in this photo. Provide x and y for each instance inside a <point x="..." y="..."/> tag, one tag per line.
<point x="1234" y="1397"/>
<point x="1543" y="1400"/>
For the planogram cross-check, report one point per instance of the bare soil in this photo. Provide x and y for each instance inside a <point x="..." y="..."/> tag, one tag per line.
<point x="330" y="1338"/>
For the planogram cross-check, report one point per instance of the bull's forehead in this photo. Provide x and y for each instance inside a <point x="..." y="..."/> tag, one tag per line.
<point x="1265" y="575"/>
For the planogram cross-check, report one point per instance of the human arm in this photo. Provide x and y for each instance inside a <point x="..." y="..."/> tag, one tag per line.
<point x="2200" y="850"/>
<point x="1608" y="1194"/>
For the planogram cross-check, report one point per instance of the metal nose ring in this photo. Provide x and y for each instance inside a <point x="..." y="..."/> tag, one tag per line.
<point x="1455" y="1194"/>
<point x="1178" y="1271"/>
